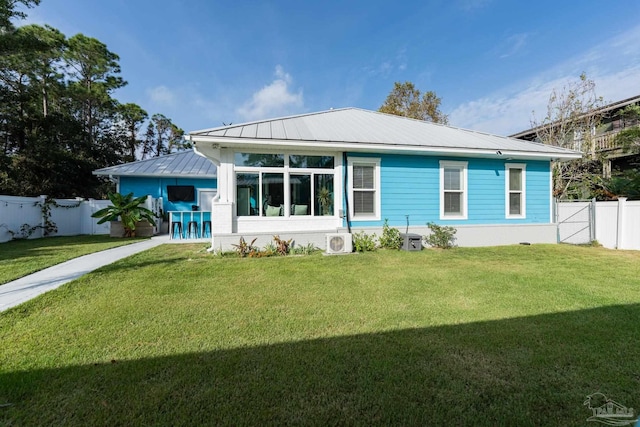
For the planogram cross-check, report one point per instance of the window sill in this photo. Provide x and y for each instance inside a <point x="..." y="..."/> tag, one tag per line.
<point x="516" y="217"/>
<point x="365" y="218"/>
<point x="453" y="217"/>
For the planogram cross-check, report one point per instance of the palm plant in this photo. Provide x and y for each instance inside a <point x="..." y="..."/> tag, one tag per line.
<point x="324" y="199"/>
<point x="128" y="209"/>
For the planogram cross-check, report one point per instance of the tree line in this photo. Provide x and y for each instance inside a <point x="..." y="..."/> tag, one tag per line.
<point x="59" y="119"/>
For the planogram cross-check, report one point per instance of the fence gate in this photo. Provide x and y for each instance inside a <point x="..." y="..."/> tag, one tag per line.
<point x="576" y="221"/>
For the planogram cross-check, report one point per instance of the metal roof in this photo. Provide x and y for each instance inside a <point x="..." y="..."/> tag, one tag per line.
<point x="351" y="127"/>
<point x="183" y="164"/>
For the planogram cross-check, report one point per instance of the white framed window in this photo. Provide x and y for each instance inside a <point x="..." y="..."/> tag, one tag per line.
<point x="515" y="186"/>
<point x="285" y="184"/>
<point x="364" y="188"/>
<point x="453" y="190"/>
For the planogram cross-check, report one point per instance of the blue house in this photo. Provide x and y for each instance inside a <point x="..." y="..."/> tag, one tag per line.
<point x="186" y="182"/>
<point x="315" y="176"/>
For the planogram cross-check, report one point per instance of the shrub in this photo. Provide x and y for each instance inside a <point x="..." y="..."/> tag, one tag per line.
<point x="269" y="249"/>
<point x="363" y="242"/>
<point x="304" y="250"/>
<point x="282" y="246"/>
<point x="390" y="238"/>
<point x="244" y="249"/>
<point x="441" y="236"/>
<point x="277" y="247"/>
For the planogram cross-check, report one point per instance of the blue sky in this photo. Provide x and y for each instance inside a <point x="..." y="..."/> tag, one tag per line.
<point x="493" y="62"/>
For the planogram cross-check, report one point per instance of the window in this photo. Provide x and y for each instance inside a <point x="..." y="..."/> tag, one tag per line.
<point x="284" y="185"/>
<point x="247" y="185"/>
<point x="453" y="190"/>
<point x="364" y="188"/>
<point x="515" y="190"/>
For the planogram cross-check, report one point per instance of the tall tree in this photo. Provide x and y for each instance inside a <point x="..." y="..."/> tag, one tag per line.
<point x="44" y="57"/>
<point x="571" y="119"/>
<point x="406" y="100"/>
<point x="93" y="71"/>
<point x="8" y="13"/>
<point x="131" y="116"/>
<point x="59" y="119"/>
<point x="162" y="137"/>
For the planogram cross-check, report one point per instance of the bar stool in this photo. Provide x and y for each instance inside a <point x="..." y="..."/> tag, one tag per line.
<point x="206" y="228"/>
<point x="176" y="226"/>
<point x="192" y="230"/>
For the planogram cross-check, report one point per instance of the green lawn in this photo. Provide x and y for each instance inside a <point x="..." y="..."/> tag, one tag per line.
<point x="21" y="257"/>
<point x="480" y="336"/>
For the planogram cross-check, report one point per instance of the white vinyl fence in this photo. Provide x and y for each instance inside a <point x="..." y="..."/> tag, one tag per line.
<point x="615" y="225"/>
<point x="71" y="217"/>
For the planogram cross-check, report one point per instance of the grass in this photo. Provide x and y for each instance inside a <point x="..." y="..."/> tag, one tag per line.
<point x="21" y="257"/>
<point x="472" y="336"/>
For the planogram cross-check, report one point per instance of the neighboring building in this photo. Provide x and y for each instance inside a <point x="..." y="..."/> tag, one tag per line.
<point x="183" y="180"/>
<point x="611" y="122"/>
<point x="310" y="175"/>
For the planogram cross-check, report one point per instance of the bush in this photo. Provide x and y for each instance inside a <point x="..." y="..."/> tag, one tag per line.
<point x="363" y="242"/>
<point x="244" y="249"/>
<point x="390" y="238"/>
<point x="278" y="247"/>
<point x="304" y="250"/>
<point x="441" y="236"/>
<point x="282" y="246"/>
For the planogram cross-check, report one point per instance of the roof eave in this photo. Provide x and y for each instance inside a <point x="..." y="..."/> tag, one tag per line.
<point x="227" y="142"/>
<point x="153" y="175"/>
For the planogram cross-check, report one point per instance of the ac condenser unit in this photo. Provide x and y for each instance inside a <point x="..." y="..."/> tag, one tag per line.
<point x="339" y="243"/>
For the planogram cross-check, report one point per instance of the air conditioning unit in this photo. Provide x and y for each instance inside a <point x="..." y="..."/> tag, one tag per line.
<point x="339" y="243"/>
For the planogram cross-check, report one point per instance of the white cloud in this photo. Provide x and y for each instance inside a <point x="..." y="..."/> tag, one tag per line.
<point x="274" y="99"/>
<point x="513" y="44"/>
<point x="161" y="95"/>
<point x="614" y="65"/>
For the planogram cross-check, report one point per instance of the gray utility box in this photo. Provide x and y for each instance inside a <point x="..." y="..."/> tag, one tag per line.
<point x="411" y="242"/>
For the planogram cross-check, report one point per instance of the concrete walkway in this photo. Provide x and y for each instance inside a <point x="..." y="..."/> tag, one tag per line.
<point x="25" y="288"/>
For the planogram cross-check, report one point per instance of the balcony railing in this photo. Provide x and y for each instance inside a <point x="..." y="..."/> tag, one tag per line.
<point x="606" y="141"/>
<point x="189" y="224"/>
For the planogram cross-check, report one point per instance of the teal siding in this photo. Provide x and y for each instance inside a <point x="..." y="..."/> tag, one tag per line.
<point x="410" y="185"/>
<point x="157" y="187"/>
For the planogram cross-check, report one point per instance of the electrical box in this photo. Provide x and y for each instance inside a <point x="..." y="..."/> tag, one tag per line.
<point x="411" y="242"/>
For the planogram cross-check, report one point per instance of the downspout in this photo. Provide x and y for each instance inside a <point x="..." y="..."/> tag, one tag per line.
<point x="116" y="181"/>
<point x="346" y="190"/>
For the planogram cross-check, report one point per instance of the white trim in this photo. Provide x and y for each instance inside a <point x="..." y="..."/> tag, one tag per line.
<point x="366" y="161"/>
<point x="523" y="192"/>
<point x="323" y="146"/>
<point x="464" y="189"/>
<point x="287" y="171"/>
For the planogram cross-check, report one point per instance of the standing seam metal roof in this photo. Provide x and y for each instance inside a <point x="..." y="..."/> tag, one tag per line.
<point x="184" y="163"/>
<point x="354" y="125"/>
